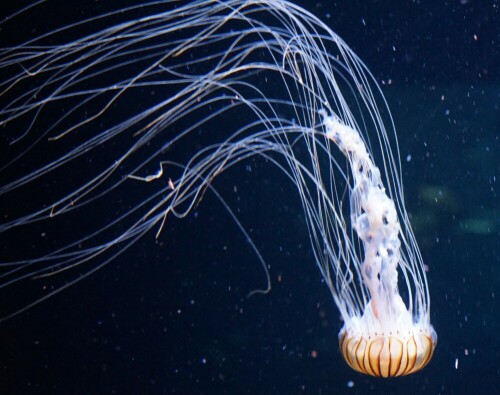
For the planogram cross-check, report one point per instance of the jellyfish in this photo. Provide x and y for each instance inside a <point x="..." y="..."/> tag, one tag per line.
<point x="142" y="114"/>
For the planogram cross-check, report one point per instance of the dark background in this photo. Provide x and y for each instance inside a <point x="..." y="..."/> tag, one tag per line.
<point x="171" y="316"/>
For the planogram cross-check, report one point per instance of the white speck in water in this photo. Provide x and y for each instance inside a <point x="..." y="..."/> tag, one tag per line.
<point x="408" y="158"/>
<point x="350" y="384"/>
<point x="456" y="363"/>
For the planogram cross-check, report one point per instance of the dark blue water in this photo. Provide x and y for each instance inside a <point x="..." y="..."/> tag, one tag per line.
<point x="172" y="315"/>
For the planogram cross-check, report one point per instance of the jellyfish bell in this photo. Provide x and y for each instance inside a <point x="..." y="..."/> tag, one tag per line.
<point x="233" y="80"/>
<point x="378" y="348"/>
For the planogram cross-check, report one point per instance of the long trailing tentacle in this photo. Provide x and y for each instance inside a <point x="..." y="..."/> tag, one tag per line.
<point x="199" y="87"/>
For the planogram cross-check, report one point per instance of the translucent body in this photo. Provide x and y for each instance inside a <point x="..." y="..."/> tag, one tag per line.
<point x="384" y="341"/>
<point x="219" y="83"/>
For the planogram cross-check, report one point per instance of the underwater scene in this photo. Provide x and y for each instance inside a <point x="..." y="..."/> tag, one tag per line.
<point x="249" y="197"/>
